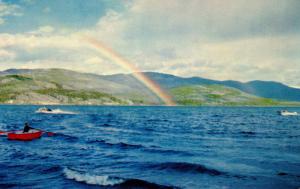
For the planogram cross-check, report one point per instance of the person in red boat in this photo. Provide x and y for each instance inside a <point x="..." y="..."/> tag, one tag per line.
<point x="27" y="128"/>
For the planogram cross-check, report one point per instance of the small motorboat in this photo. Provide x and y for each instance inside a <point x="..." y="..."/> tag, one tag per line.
<point x="44" y="110"/>
<point x="19" y="135"/>
<point x="287" y="113"/>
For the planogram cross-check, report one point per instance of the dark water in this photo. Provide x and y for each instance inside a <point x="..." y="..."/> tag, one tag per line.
<point x="152" y="147"/>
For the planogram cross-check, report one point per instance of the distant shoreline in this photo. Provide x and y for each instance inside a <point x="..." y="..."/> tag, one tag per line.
<point x="144" y="105"/>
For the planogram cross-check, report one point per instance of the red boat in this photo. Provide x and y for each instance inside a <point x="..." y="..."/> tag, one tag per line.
<point x="19" y="135"/>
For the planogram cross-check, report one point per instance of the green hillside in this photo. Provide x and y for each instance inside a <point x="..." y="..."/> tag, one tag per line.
<point x="58" y="86"/>
<point x="24" y="89"/>
<point x="196" y="95"/>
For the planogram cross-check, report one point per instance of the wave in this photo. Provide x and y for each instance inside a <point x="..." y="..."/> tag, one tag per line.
<point x="287" y="174"/>
<point x="105" y="125"/>
<point x="126" y="145"/>
<point x="151" y="149"/>
<point x="118" y="145"/>
<point x="66" y="137"/>
<point x="8" y="185"/>
<point x="106" y="180"/>
<point x="193" y="168"/>
<point x="155" y="149"/>
<point x="117" y="130"/>
<point x="110" y="115"/>
<point x="157" y="120"/>
<point x="92" y="179"/>
<point x="186" y="167"/>
<point x="51" y="169"/>
<point x="137" y="183"/>
<point x="248" y="132"/>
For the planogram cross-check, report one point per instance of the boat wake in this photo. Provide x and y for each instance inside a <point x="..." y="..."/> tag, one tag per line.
<point x="110" y="181"/>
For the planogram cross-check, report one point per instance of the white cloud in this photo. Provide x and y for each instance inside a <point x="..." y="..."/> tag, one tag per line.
<point x="240" y="40"/>
<point x="6" y="55"/>
<point x="8" y="10"/>
<point x="35" y="41"/>
<point x="214" y="19"/>
<point x="38" y="49"/>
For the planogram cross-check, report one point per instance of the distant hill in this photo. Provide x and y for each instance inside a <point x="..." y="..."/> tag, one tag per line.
<point x="60" y="86"/>
<point x="265" y="89"/>
<point x="218" y="95"/>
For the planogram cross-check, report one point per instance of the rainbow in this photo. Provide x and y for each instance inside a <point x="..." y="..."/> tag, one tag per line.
<point x="137" y="73"/>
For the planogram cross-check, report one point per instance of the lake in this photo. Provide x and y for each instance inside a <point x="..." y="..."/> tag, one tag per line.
<point x="152" y="147"/>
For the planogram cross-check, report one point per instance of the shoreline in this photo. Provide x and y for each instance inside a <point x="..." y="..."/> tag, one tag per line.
<point x="145" y="105"/>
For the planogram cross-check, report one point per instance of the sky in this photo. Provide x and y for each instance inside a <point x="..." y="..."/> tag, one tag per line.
<point x="217" y="39"/>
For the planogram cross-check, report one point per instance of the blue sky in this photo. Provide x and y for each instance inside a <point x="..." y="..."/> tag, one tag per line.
<point x="230" y="39"/>
<point x="73" y="14"/>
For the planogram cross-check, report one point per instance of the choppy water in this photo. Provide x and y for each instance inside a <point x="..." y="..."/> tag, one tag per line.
<point x="152" y="147"/>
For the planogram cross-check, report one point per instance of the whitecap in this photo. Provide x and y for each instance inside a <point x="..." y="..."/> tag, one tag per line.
<point x="102" y="180"/>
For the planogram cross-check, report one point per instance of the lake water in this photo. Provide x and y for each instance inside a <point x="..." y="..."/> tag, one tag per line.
<point x="152" y="147"/>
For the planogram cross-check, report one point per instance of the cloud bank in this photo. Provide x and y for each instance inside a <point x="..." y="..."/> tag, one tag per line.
<point x="232" y="39"/>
